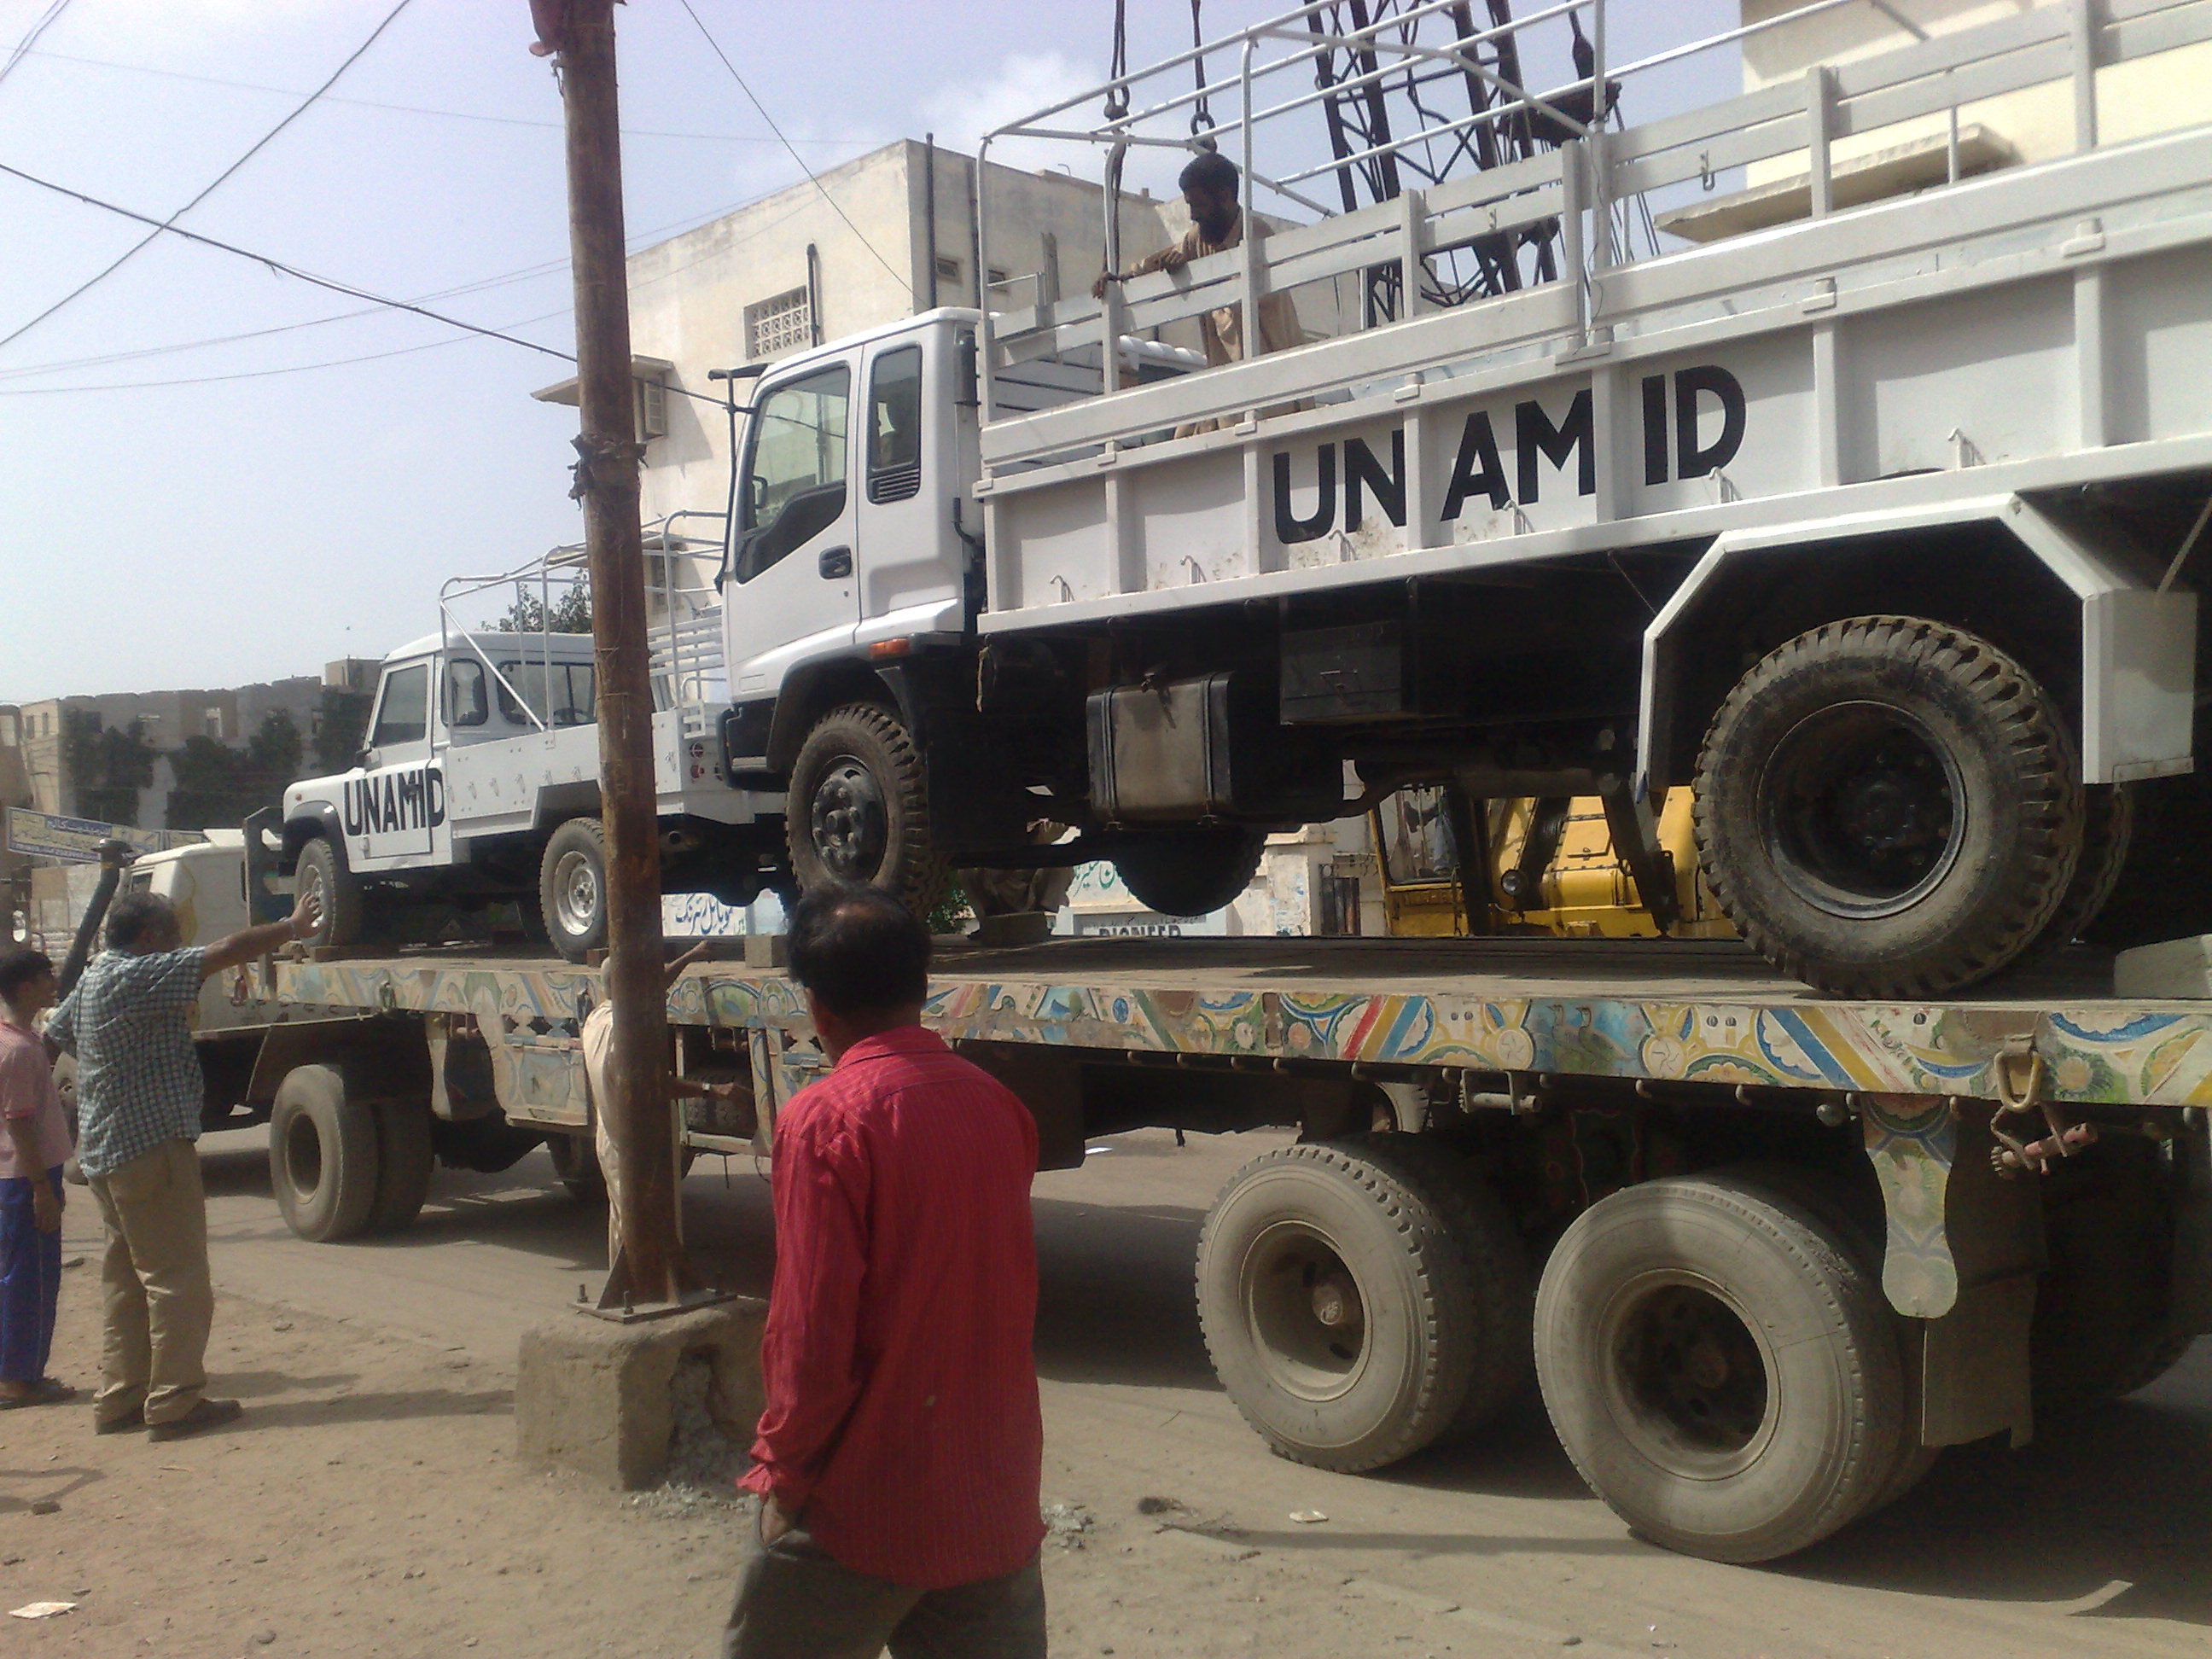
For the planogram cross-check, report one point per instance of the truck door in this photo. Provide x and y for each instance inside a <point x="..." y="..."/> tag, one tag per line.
<point x="392" y="807"/>
<point x="911" y="556"/>
<point x="790" y="593"/>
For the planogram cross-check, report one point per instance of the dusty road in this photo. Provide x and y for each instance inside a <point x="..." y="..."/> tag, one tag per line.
<point x="383" y="1517"/>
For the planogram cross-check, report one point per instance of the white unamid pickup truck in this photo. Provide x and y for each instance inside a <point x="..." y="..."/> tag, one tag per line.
<point x="478" y="783"/>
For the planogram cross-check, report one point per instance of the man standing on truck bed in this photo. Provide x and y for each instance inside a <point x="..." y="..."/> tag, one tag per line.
<point x="898" y="1458"/>
<point x="139" y="1096"/>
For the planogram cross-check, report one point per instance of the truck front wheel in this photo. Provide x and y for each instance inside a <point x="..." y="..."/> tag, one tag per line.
<point x="572" y="887"/>
<point x="1888" y="807"/>
<point x="858" y="808"/>
<point x="322" y="871"/>
<point x="1339" y="1304"/>
<point x="1721" y="1366"/>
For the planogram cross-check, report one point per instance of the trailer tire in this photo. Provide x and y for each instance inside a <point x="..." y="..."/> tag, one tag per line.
<point x="1722" y="1369"/>
<point x="405" y="1158"/>
<point x="1338" y="1304"/>
<point x="1504" y="1291"/>
<point x="1190" y="872"/>
<point x="572" y="887"/>
<point x="1888" y="807"/>
<point x="322" y="1155"/>
<point x="858" y="808"/>
<point x="322" y="870"/>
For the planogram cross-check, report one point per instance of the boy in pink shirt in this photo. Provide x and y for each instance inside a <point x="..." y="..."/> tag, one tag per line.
<point x="35" y="1143"/>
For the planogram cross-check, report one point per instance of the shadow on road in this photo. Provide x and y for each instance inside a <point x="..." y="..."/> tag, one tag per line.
<point x="373" y="1407"/>
<point x="2113" y="1502"/>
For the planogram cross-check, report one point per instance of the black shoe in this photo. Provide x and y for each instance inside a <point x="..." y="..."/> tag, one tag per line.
<point x="133" y="1419"/>
<point x="206" y="1414"/>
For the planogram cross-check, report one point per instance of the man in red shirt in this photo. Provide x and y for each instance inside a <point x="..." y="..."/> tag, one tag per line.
<point x="898" y="1459"/>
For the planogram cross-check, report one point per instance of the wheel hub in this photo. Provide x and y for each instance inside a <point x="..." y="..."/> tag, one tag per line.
<point x="1864" y="810"/>
<point x="1690" y="1374"/>
<point x="575" y="894"/>
<point x="848" y="821"/>
<point x="1304" y="1310"/>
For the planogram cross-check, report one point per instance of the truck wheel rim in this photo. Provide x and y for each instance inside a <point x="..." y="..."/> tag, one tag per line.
<point x="1687" y="1380"/>
<point x="576" y="894"/>
<point x="1304" y="1311"/>
<point x="849" y="822"/>
<point x="1863" y="808"/>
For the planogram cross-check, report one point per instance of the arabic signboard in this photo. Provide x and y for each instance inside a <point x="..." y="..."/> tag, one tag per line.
<point x="76" y="840"/>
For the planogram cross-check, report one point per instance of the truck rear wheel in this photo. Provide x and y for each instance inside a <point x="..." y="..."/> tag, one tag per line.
<point x="404" y="1159"/>
<point x="572" y="887"/>
<point x="1338" y="1303"/>
<point x="1190" y="872"/>
<point x="2107" y="831"/>
<point x="858" y="808"/>
<point x="1888" y="807"/>
<point x="322" y="871"/>
<point x="322" y="1155"/>
<point x="1721" y="1368"/>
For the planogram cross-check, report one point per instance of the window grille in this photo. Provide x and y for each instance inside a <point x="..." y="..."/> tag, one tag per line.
<point x="776" y="326"/>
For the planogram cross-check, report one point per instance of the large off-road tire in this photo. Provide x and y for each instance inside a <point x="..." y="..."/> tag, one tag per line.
<point x="1190" y="872"/>
<point x="2104" y="1305"/>
<point x="2107" y="831"/>
<point x="1888" y="807"/>
<point x="857" y="809"/>
<point x="405" y="1158"/>
<point x="572" y="887"/>
<point x="322" y="1155"/>
<point x="1337" y="1302"/>
<point x="1721" y="1367"/>
<point x="322" y="871"/>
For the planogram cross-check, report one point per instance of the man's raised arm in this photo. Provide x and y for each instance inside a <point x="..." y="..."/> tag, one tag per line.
<point x="248" y="943"/>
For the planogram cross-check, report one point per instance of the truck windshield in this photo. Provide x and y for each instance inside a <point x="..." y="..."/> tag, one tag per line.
<point x="403" y="715"/>
<point x="570" y="683"/>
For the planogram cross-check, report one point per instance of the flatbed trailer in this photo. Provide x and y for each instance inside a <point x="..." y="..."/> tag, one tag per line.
<point x="1766" y="1251"/>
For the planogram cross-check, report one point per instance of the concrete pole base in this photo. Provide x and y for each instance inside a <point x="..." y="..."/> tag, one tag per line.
<point x="594" y="1396"/>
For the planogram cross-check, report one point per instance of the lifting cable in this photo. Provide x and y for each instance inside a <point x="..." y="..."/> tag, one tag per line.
<point x="1117" y="109"/>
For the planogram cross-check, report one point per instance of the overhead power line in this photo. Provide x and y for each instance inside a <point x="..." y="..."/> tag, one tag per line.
<point x="281" y="268"/>
<point x="258" y="145"/>
<point x="442" y="114"/>
<point x="24" y="46"/>
<point x="903" y="281"/>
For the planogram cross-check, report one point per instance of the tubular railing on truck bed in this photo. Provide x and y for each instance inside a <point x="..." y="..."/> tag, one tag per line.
<point x="1580" y="184"/>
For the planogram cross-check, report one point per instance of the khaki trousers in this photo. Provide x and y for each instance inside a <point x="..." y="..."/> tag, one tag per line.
<point x="158" y="1298"/>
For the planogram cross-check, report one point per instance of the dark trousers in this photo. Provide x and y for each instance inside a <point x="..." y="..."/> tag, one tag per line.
<point x="794" y="1602"/>
<point x="30" y="1282"/>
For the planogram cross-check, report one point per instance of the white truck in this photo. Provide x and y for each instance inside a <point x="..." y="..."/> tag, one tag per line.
<point x="1873" y="525"/>
<point x="477" y="784"/>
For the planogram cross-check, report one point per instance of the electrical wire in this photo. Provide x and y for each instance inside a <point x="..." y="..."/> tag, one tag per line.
<point x="420" y="109"/>
<point x="264" y="373"/>
<point x="23" y="46"/>
<point x="903" y="281"/>
<point x="258" y="145"/>
<point x="279" y="267"/>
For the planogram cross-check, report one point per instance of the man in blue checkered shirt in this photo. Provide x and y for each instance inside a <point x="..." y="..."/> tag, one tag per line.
<point x="139" y="1092"/>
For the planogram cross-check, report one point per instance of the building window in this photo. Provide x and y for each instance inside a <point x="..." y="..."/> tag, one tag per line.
<point x="779" y="324"/>
<point x="652" y="408"/>
<point x="948" y="268"/>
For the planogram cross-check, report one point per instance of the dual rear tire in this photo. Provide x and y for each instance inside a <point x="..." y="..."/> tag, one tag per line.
<point x="342" y="1163"/>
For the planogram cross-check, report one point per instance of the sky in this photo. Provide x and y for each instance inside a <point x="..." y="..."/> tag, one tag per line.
<point x="212" y="474"/>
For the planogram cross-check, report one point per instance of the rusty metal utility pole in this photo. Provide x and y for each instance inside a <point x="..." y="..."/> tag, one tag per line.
<point x="649" y="1266"/>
